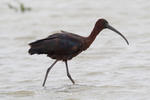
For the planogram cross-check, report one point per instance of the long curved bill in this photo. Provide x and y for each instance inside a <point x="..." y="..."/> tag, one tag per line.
<point x="113" y="29"/>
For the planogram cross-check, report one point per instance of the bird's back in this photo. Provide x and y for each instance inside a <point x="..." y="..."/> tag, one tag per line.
<point x="60" y="46"/>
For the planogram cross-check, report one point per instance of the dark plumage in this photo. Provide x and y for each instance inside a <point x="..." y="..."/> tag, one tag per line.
<point x="64" y="45"/>
<point x="61" y="46"/>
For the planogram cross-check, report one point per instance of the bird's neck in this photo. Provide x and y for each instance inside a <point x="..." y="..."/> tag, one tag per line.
<point x="92" y="36"/>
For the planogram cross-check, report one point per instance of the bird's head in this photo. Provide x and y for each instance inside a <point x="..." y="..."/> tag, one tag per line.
<point x="103" y="24"/>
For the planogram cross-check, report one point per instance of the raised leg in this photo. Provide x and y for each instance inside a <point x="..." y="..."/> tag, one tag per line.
<point x="68" y="74"/>
<point x="48" y="72"/>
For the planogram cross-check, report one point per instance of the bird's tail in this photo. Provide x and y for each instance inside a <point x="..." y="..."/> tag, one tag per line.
<point x="32" y="51"/>
<point x="37" y="47"/>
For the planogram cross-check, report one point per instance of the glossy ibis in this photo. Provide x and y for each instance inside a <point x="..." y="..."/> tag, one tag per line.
<point x="63" y="46"/>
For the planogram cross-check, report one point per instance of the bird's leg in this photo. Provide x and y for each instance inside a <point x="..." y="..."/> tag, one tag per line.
<point x="68" y="74"/>
<point x="48" y="72"/>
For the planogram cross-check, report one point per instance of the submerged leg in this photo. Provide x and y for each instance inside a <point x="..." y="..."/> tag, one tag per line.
<point x="48" y="72"/>
<point x="68" y="74"/>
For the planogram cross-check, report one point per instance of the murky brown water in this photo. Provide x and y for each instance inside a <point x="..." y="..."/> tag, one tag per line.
<point x="108" y="70"/>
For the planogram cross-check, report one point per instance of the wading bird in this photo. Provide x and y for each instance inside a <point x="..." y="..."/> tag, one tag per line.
<point x="63" y="46"/>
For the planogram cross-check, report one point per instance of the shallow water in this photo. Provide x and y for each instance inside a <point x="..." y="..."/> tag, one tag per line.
<point x="108" y="70"/>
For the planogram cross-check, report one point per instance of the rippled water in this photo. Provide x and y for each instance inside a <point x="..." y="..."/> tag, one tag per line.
<point x="108" y="70"/>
